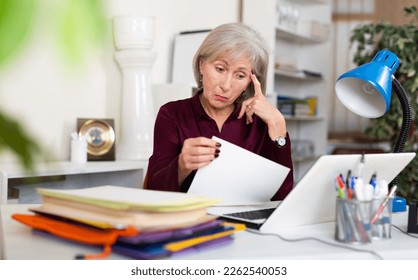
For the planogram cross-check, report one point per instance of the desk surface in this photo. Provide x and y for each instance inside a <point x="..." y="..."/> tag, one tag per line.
<point x="18" y="242"/>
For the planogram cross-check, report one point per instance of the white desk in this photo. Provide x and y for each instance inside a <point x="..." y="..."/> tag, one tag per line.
<point x="18" y="242"/>
<point x="77" y="175"/>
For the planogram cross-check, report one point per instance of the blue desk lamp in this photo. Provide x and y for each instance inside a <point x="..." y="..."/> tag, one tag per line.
<point x="367" y="89"/>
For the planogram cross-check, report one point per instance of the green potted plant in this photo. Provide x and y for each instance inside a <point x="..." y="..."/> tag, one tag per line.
<point x="402" y="40"/>
<point x="79" y="22"/>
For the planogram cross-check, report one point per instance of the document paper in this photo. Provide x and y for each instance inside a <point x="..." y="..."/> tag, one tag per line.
<point x="238" y="177"/>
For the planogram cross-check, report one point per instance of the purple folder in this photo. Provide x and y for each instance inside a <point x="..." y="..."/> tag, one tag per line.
<point x="159" y="252"/>
<point x="158" y="236"/>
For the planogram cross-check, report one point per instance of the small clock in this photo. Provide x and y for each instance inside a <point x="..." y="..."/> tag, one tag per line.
<point x="100" y="137"/>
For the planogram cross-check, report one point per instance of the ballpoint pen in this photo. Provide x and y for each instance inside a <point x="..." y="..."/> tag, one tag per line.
<point x="383" y="204"/>
<point x="347" y="185"/>
<point x="347" y="179"/>
<point x="350" y="224"/>
<point x="373" y="180"/>
<point x="352" y="185"/>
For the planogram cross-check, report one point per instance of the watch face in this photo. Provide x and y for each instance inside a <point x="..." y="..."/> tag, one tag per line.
<point x="100" y="136"/>
<point x="282" y="141"/>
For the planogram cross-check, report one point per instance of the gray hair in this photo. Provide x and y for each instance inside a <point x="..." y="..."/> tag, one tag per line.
<point x="239" y="40"/>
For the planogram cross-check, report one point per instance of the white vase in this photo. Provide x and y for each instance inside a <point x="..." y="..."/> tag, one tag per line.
<point x="137" y="111"/>
<point x="133" y="32"/>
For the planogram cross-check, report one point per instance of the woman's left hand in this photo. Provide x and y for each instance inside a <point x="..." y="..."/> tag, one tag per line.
<point x="260" y="106"/>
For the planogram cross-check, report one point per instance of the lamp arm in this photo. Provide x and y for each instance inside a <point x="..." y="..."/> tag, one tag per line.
<point x="406" y="120"/>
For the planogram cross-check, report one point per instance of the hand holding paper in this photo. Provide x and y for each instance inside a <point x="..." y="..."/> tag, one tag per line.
<point x="239" y="177"/>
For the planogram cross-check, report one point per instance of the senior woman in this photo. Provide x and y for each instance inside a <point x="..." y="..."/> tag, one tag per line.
<point x="230" y="69"/>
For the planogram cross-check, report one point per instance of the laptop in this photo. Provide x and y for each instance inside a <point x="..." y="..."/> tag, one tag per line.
<point x="313" y="198"/>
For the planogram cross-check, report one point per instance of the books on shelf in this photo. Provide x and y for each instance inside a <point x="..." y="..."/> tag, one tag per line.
<point x="137" y="223"/>
<point x="291" y="106"/>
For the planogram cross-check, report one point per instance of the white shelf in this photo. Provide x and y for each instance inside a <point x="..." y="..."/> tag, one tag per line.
<point x="123" y="173"/>
<point x="306" y="47"/>
<point x="303" y="118"/>
<point x="300" y="75"/>
<point x="285" y="33"/>
<point x="69" y="168"/>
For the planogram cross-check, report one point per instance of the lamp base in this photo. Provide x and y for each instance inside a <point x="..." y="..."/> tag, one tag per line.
<point x="412" y="218"/>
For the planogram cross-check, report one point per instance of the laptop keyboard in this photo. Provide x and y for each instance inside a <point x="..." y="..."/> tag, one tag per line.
<point x="253" y="214"/>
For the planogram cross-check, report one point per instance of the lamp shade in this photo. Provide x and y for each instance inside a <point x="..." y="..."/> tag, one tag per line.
<point x="366" y="90"/>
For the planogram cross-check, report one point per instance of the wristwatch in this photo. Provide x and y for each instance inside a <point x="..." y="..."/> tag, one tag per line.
<point x="280" y="141"/>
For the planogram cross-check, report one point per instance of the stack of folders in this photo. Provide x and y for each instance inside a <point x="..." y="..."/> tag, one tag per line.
<point x="138" y="223"/>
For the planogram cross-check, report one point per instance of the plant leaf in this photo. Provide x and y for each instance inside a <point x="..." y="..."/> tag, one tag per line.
<point x="15" y="25"/>
<point x="18" y="141"/>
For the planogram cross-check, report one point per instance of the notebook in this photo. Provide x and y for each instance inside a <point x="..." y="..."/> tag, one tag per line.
<point x="313" y="198"/>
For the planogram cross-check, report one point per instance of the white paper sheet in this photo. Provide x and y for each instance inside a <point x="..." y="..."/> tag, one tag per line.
<point x="238" y="177"/>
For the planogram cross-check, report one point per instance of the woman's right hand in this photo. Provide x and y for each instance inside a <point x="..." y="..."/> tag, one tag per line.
<point x="196" y="153"/>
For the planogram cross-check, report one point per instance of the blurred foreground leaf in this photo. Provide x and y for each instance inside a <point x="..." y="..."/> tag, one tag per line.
<point x="79" y="26"/>
<point x="13" y="136"/>
<point x="15" y="25"/>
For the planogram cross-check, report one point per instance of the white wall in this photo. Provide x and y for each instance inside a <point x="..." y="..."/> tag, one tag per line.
<point x="47" y="97"/>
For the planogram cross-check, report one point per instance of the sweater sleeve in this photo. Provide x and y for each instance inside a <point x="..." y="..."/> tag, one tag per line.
<point x="282" y="156"/>
<point x="162" y="173"/>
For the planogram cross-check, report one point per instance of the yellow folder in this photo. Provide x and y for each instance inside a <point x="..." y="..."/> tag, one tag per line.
<point x="123" y="198"/>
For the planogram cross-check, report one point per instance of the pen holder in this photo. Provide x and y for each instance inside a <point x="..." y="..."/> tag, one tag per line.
<point x="382" y="224"/>
<point x="353" y="221"/>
